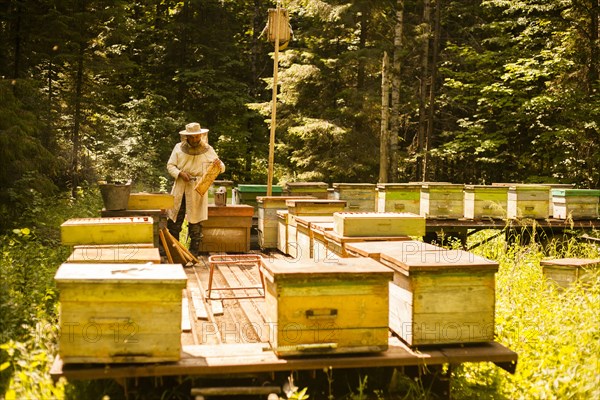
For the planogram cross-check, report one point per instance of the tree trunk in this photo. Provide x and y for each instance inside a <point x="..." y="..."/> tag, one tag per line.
<point x="385" y="113"/>
<point x="433" y="77"/>
<point x="423" y="92"/>
<point x="77" y="121"/>
<point x="396" y="80"/>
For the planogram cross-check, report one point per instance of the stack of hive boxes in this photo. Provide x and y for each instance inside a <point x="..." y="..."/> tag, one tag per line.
<point x="268" y="206"/>
<point x="107" y="287"/>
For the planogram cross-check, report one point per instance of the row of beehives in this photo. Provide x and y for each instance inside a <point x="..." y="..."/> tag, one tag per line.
<point x="446" y="200"/>
<point x="118" y="303"/>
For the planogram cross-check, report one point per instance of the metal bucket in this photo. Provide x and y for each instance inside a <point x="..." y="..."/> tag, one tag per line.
<point x="115" y="195"/>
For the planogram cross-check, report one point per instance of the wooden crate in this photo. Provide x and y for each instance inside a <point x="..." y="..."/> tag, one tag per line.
<point x="327" y="307"/>
<point x="320" y="250"/>
<point x="304" y="236"/>
<point x="485" y="201"/>
<point x="378" y="224"/>
<point x="107" y="230"/>
<point x="442" y="297"/>
<point x="336" y="243"/>
<point x="268" y="220"/>
<point x="442" y="200"/>
<point x="360" y="196"/>
<point x="120" y="313"/>
<point x="150" y="201"/>
<point x="313" y="189"/>
<point x="565" y="271"/>
<point x="399" y="197"/>
<point x="131" y="254"/>
<point x="575" y="203"/>
<point x="227" y="229"/>
<point x="399" y="249"/>
<point x="528" y="201"/>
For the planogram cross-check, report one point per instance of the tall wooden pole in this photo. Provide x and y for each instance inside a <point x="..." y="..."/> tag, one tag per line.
<point x="274" y="105"/>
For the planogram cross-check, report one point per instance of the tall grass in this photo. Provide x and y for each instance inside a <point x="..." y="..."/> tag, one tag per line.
<point x="556" y="333"/>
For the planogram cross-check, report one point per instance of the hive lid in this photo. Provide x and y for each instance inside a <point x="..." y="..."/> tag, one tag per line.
<point x="266" y="199"/>
<point x="107" y="221"/>
<point x="404" y="186"/>
<point x="321" y="185"/>
<point x="295" y="202"/>
<point x="329" y="268"/>
<point x="353" y="185"/>
<point x="575" y="192"/>
<point x="391" y="248"/>
<point x="258" y="188"/>
<point x="127" y="273"/>
<point x="571" y="262"/>
<point x="368" y="215"/>
<point x="312" y="219"/>
<point x="446" y="260"/>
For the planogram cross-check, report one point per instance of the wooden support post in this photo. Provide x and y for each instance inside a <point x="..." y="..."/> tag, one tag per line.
<point x="274" y="105"/>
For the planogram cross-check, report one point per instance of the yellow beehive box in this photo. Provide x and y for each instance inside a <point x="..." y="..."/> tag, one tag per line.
<point x="327" y="307"/>
<point x="268" y="221"/>
<point x="485" y="201"/>
<point x="528" y="201"/>
<point x="107" y="230"/>
<point x="378" y="224"/>
<point x="150" y="201"/>
<point x="360" y="196"/>
<point x="442" y="200"/>
<point x="441" y="297"/>
<point x="131" y="254"/>
<point x="313" y="189"/>
<point x="304" y="235"/>
<point x="337" y="244"/>
<point x="400" y="249"/>
<point x="399" y="197"/>
<point x="282" y="231"/>
<point x="566" y="271"/>
<point x="575" y="203"/>
<point x="120" y="313"/>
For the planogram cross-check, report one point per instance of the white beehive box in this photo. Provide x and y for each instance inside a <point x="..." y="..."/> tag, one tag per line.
<point x="399" y="197"/>
<point x="120" y="313"/>
<point x="360" y="196"/>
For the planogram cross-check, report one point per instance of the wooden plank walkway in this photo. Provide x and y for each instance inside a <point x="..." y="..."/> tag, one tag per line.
<point x="226" y="337"/>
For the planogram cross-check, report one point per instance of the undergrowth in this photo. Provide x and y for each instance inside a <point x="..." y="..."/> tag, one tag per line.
<point x="556" y="333"/>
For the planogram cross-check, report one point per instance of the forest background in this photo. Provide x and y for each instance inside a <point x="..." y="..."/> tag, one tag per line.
<point x="473" y="92"/>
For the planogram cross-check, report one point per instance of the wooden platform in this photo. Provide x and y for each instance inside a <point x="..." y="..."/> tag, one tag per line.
<point x="229" y="337"/>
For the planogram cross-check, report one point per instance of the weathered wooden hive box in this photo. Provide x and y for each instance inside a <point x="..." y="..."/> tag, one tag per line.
<point x="399" y="197"/>
<point x="566" y="271"/>
<point x="308" y="207"/>
<point x="378" y="224"/>
<point x="107" y="230"/>
<point x="131" y="254"/>
<point x="400" y="249"/>
<point x="314" y="189"/>
<point x="575" y="203"/>
<point x="268" y="220"/>
<point x="120" y="313"/>
<point x="442" y="200"/>
<point x="320" y="251"/>
<point x="485" y="201"/>
<point x="150" y="201"/>
<point x="528" y="201"/>
<point x="360" y="196"/>
<point x="227" y="228"/>
<point x="441" y="297"/>
<point x="305" y="237"/>
<point x="327" y="307"/>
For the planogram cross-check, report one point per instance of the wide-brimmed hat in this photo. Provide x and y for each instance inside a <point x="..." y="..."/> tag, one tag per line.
<point x="193" y="128"/>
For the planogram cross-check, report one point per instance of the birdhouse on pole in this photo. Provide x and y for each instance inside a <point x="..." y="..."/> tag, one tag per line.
<point x="283" y="26"/>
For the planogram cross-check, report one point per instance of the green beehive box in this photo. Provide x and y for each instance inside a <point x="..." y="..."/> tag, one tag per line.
<point x="399" y="197"/>
<point x="314" y="189"/>
<point x="442" y="200"/>
<point x="575" y="203"/>
<point x="485" y="201"/>
<point x="528" y="201"/>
